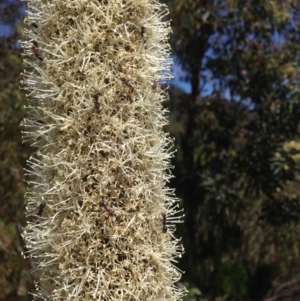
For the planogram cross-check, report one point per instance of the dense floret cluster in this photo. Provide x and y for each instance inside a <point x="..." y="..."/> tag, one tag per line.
<point x="101" y="217"/>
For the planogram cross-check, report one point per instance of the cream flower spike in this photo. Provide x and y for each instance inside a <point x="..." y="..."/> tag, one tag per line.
<point x="101" y="219"/>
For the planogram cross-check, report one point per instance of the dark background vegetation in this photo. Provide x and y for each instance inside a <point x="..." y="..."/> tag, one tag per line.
<point x="237" y="163"/>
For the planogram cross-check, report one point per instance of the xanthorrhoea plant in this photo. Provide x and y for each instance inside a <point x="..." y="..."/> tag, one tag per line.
<point x="101" y="226"/>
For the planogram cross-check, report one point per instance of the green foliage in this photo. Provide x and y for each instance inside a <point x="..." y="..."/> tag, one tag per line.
<point x="194" y="294"/>
<point x="12" y="152"/>
<point x="233" y="172"/>
<point x="232" y="279"/>
<point x="231" y="182"/>
<point x="15" y="279"/>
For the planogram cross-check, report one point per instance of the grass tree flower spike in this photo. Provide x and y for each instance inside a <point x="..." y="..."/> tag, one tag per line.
<point x="101" y="216"/>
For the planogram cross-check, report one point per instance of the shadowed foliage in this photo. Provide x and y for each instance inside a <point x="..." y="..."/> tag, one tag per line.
<point x="15" y="279"/>
<point x="233" y="171"/>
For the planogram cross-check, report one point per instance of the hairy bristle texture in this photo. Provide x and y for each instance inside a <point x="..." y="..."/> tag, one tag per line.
<point x="101" y="218"/>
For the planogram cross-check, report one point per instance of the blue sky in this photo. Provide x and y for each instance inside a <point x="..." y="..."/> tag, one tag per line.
<point x="177" y="72"/>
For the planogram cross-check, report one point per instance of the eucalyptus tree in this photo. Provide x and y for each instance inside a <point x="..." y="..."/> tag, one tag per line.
<point x="232" y="170"/>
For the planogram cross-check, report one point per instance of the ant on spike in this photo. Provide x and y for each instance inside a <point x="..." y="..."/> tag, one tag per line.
<point x="143" y="30"/>
<point x="110" y="212"/>
<point x="164" y="222"/>
<point x="35" y="50"/>
<point x="41" y="208"/>
<point x="34" y="25"/>
<point x="96" y="104"/>
<point x="154" y="86"/>
<point x="125" y="81"/>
